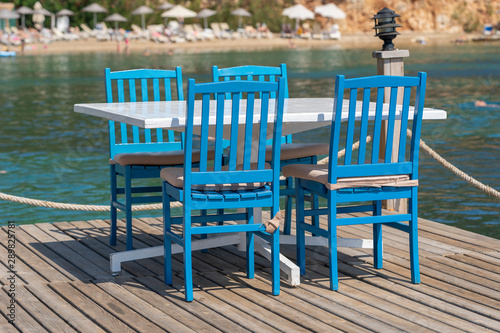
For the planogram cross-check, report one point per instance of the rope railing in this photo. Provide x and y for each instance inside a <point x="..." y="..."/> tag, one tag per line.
<point x="102" y="208"/>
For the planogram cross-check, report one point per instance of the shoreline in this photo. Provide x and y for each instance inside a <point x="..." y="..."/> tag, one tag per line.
<point x="348" y="41"/>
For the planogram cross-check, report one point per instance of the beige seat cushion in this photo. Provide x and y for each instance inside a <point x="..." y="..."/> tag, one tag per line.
<point x="175" y="177"/>
<point x="290" y="151"/>
<point x="174" y="157"/>
<point x="319" y="173"/>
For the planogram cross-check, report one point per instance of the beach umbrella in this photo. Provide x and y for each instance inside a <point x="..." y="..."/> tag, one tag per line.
<point x="6" y="14"/>
<point x="94" y="8"/>
<point x="331" y="11"/>
<point x="204" y="14"/>
<point x="115" y="18"/>
<point x="142" y="10"/>
<point x="179" y="11"/>
<point x="23" y="10"/>
<point x="298" y="12"/>
<point x="240" y="12"/>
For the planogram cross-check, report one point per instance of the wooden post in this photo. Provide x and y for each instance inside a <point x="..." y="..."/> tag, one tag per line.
<point x="391" y="63"/>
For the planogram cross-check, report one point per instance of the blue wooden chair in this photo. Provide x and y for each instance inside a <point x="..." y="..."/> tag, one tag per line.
<point x="245" y="181"/>
<point x="291" y="153"/>
<point x="371" y="176"/>
<point x="139" y="153"/>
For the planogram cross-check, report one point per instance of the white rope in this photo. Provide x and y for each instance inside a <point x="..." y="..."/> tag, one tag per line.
<point x="70" y="206"/>
<point x="102" y="208"/>
<point x="342" y="152"/>
<point x="485" y="188"/>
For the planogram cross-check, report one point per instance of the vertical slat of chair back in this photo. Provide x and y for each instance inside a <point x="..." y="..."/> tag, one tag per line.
<point x="253" y="73"/>
<point x="143" y="85"/>
<point x="240" y="167"/>
<point x="359" y="127"/>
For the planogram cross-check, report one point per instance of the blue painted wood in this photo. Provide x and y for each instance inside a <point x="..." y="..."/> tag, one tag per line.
<point x="268" y="74"/>
<point x="194" y="199"/>
<point x="132" y="86"/>
<point x="405" y="164"/>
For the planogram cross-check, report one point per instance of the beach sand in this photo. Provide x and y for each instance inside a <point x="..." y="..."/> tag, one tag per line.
<point x="146" y="46"/>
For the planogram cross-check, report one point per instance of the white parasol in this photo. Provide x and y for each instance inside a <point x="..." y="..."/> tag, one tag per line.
<point x="331" y="11"/>
<point x="204" y="14"/>
<point x="298" y="12"/>
<point x="240" y="12"/>
<point x="142" y="10"/>
<point x="179" y="11"/>
<point x="115" y="18"/>
<point x="94" y="8"/>
<point x="23" y="10"/>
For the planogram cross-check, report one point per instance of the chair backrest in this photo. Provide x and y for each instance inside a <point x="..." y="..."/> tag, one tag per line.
<point x="253" y="73"/>
<point x="218" y="115"/>
<point x="369" y="122"/>
<point x="136" y="86"/>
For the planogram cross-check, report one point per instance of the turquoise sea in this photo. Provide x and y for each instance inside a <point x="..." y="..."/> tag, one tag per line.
<point x="49" y="152"/>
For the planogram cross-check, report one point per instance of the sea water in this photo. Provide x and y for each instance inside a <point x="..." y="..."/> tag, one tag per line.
<point x="48" y="152"/>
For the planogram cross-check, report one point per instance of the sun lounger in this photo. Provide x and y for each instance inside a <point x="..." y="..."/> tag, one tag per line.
<point x="206" y="33"/>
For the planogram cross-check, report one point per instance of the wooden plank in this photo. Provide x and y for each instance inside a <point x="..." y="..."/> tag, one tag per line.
<point x="246" y="313"/>
<point x="23" y="272"/>
<point x="51" y="257"/>
<point x="152" y="264"/>
<point x="75" y="252"/>
<point x="87" y="306"/>
<point x="165" y="305"/>
<point x="262" y="305"/>
<point x="99" y="242"/>
<point x="458" y="234"/>
<point x="23" y="322"/>
<point x="298" y="299"/>
<point x="462" y="297"/>
<point x="454" y="315"/>
<point x="143" y="308"/>
<point x="116" y="308"/>
<point x="38" y="265"/>
<point x="221" y="319"/>
<point x="41" y="313"/>
<point x="63" y="309"/>
<point x="467" y="271"/>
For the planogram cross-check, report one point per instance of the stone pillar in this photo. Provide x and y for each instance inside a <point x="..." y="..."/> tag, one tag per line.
<point x="391" y="63"/>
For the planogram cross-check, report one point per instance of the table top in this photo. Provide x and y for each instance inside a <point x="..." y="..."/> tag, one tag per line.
<point x="308" y="112"/>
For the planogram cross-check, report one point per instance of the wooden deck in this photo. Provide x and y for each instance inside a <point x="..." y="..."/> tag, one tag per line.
<point x="63" y="284"/>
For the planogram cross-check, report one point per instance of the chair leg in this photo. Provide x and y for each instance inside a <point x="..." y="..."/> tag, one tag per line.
<point x="250" y="247"/>
<point x="167" y="243"/>
<point x="275" y="262"/>
<point x="188" y="269"/>
<point x="415" y="266"/>
<point x="332" y="241"/>
<point x="112" y="231"/>
<point x="128" y="207"/>
<point x="288" y="208"/>
<point x="300" y="233"/>
<point x="377" y="237"/>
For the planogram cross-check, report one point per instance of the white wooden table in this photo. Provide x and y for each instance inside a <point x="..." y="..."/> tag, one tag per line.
<point x="300" y="114"/>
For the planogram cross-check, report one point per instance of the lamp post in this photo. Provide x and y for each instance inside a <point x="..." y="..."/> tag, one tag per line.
<point x="385" y="27"/>
<point x="390" y="62"/>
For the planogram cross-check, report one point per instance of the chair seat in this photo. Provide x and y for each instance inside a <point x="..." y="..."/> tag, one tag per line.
<point x="175" y="177"/>
<point x="319" y="173"/>
<point x="175" y="157"/>
<point x="290" y="151"/>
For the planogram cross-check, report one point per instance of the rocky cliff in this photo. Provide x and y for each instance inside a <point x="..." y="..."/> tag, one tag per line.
<point x="417" y="15"/>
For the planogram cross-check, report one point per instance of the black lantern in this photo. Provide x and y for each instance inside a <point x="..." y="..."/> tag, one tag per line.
<point x="385" y="27"/>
